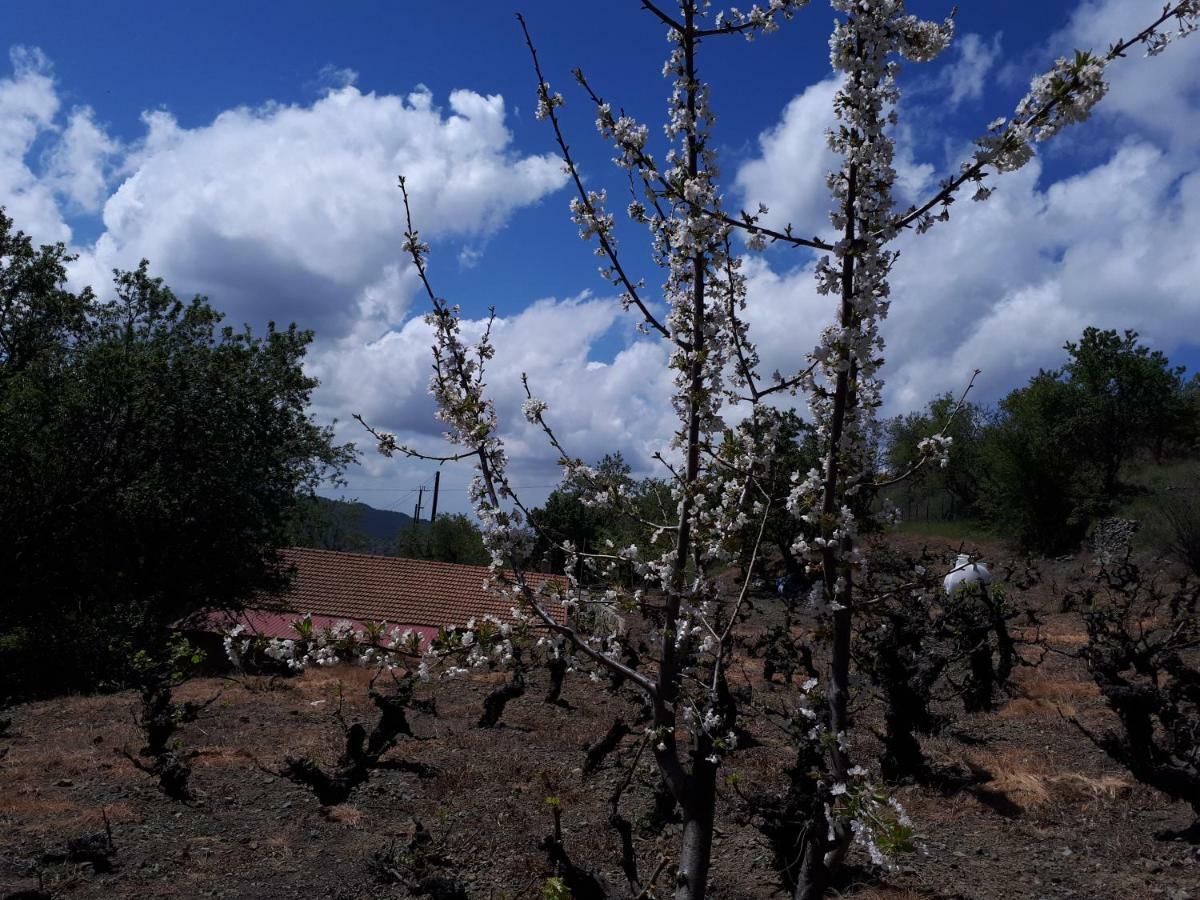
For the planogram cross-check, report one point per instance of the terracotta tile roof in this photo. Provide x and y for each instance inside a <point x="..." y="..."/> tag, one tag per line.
<point x="405" y="592"/>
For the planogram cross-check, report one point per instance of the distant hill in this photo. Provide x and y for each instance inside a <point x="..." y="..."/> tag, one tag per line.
<point x="349" y="526"/>
<point x="379" y="524"/>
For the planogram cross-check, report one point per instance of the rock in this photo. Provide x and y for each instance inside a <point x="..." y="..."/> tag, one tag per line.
<point x="1112" y="539"/>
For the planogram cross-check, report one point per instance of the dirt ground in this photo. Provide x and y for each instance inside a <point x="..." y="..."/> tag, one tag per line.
<point x="1048" y="815"/>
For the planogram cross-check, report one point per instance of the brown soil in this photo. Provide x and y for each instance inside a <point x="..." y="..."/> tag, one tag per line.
<point x="1048" y="816"/>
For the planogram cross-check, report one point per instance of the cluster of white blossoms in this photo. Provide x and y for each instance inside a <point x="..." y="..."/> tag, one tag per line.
<point x="936" y="448"/>
<point x="470" y="417"/>
<point x="878" y="822"/>
<point x="627" y="133"/>
<point x="1187" y="21"/>
<point x="532" y="409"/>
<point x="490" y="643"/>
<point x="372" y="643"/>
<point x="757" y="19"/>
<point x="712" y="723"/>
<point x="547" y="102"/>
<point x="235" y="645"/>
<point x="1069" y="91"/>
<point x="386" y="443"/>
<point x="1063" y="96"/>
<point x="591" y="217"/>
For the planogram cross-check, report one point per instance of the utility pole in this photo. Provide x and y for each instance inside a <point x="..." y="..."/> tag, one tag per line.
<point x="417" y="511"/>
<point x="437" y="483"/>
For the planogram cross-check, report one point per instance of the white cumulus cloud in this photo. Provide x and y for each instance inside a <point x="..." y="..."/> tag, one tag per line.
<point x="1006" y="282"/>
<point x="28" y="106"/>
<point x="295" y="207"/>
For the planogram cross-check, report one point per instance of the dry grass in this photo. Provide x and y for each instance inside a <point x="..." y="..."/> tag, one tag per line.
<point x="91" y="818"/>
<point x="1064" y="639"/>
<point x="343" y="815"/>
<point x="1031" y="782"/>
<point x="219" y="756"/>
<point x="1049" y="693"/>
<point x="116" y="813"/>
<point x="1026" y="708"/>
<point x="35" y="805"/>
<point x="70" y="763"/>
<point x="1019" y="781"/>
<point x="1088" y="787"/>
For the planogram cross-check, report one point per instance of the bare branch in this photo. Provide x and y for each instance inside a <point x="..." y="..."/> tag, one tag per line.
<point x="606" y="244"/>
<point x="387" y="439"/>
<point x="650" y="172"/>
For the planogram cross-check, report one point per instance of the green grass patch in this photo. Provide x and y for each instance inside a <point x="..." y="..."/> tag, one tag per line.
<point x="1160" y="486"/>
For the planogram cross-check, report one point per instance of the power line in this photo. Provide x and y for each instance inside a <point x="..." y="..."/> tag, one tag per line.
<point x="391" y="507"/>
<point x="407" y="491"/>
<point x="515" y="487"/>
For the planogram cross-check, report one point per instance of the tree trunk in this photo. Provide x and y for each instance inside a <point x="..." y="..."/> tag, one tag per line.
<point x="981" y="680"/>
<point x="812" y="877"/>
<point x="696" y="794"/>
<point x="495" y="702"/>
<point x="1006" y="647"/>
<point x="558" y="671"/>
<point x="845" y="398"/>
<point x="696" y="848"/>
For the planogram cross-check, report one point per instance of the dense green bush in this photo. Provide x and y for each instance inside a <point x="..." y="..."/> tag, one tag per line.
<point x="1056" y="454"/>
<point x="152" y="460"/>
<point x="1034" y="488"/>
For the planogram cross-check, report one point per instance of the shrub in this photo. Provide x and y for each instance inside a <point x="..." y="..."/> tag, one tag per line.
<point x="1143" y="653"/>
<point x="1179" y="509"/>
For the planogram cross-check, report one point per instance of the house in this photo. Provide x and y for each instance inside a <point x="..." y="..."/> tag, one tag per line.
<point x="414" y="594"/>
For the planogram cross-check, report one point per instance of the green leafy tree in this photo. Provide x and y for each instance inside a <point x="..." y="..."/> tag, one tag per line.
<point x="325" y="524"/>
<point x="1185" y="436"/>
<point x="567" y="517"/>
<point x="1128" y="398"/>
<point x="448" y="538"/>
<point x="958" y="483"/>
<point x="152" y="460"/>
<point x="1054" y="460"/>
<point x="1035" y="489"/>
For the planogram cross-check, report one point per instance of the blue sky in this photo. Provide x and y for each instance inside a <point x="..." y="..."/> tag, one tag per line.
<point x="250" y="151"/>
<point x="199" y="60"/>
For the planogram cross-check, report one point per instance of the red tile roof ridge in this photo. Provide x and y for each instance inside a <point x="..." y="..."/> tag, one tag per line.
<point x="483" y="570"/>
<point x="403" y="591"/>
